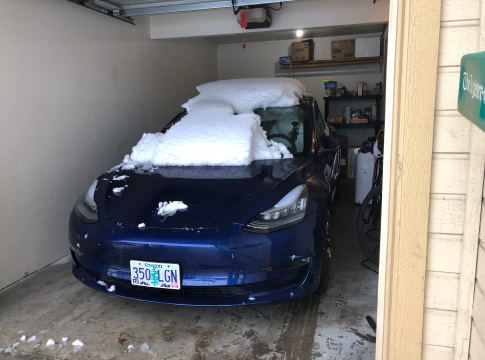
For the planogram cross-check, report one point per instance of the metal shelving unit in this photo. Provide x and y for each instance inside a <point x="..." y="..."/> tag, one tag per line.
<point x="368" y="98"/>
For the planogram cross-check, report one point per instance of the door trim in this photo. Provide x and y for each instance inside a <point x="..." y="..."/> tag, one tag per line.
<point x="413" y="43"/>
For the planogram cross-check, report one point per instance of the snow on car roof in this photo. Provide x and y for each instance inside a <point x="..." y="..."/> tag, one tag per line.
<point x="245" y="95"/>
<point x="211" y="133"/>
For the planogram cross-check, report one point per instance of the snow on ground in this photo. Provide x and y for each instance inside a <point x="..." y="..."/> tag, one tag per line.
<point x="170" y="208"/>
<point x="77" y="343"/>
<point x="50" y="342"/>
<point x="10" y="349"/>
<point x="245" y="95"/>
<point x="32" y="338"/>
<point x="23" y="337"/>
<point x="65" y="339"/>
<point x="210" y="134"/>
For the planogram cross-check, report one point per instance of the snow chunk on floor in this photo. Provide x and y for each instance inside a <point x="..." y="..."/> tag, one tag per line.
<point x="245" y="95"/>
<point x="23" y="337"/>
<point x="32" y="338"/>
<point x="170" y="208"/>
<point x="112" y="288"/>
<point x="144" y="347"/>
<point x="78" y="343"/>
<point x="65" y="339"/>
<point x="130" y="347"/>
<point x="208" y="135"/>
<point x="10" y="349"/>
<point x="50" y="342"/>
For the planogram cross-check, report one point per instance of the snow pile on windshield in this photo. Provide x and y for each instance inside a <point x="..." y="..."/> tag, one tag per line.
<point x="170" y="208"/>
<point x="210" y="134"/>
<point x="245" y="95"/>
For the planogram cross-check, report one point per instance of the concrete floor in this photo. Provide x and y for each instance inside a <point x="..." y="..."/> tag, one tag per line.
<point x="52" y="304"/>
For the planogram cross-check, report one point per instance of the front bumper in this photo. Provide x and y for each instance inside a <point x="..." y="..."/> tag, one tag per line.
<point x="219" y="267"/>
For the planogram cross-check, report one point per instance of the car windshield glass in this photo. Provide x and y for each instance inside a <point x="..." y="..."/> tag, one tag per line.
<point x="284" y="125"/>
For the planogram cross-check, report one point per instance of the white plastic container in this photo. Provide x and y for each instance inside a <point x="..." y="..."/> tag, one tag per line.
<point x="366" y="47"/>
<point x="347" y="114"/>
<point x="364" y="171"/>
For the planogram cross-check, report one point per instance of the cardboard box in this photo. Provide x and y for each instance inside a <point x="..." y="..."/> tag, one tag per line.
<point x="302" y="51"/>
<point x="343" y="49"/>
<point x="367" y="47"/>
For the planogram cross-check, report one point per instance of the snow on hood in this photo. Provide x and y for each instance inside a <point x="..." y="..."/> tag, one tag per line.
<point x="245" y="95"/>
<point x="210" y="134"/>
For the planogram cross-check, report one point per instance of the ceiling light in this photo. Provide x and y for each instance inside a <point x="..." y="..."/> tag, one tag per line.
<point x="299" y="33"/>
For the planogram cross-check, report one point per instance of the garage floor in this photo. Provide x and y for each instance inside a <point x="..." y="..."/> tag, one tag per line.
<point x="52" y="304"/>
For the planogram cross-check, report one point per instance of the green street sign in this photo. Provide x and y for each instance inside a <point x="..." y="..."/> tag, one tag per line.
<point x="471" y="96"/>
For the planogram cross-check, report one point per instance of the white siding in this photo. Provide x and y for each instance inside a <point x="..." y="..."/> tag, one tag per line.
<point x="449" y="184"/>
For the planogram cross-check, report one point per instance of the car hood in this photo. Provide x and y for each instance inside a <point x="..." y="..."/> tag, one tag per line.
<point x="215" y="196"/>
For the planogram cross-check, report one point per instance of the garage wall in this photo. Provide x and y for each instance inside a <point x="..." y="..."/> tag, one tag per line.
<point x="261" y="59"/>
<point x="77" y="91"/>
<point x="451" y="243"/>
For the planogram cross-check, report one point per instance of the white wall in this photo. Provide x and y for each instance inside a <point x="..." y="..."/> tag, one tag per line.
<point x="261" y="59"/>
<point x="293" y="15"/>
<point x="77" y="91"/>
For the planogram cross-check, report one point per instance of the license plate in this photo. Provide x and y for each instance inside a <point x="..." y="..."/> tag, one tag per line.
<point x="155" y="275"/>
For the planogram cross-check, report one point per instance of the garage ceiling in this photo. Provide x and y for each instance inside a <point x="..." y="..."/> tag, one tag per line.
<point x="124" y="9"/>
<point x="326" y="31"/>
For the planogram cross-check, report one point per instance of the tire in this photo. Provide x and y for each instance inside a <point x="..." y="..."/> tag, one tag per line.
<point x="324" y="274"/>
<point x="369" y="220"/>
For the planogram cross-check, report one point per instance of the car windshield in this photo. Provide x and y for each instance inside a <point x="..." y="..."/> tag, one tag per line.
<point x="284" y="125"/>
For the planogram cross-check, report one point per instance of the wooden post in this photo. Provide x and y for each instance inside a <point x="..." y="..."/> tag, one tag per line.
<point x="411" y="91"/>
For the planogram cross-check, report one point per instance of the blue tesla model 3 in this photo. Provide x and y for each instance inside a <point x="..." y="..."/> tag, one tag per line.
<point x="252" y="234"/>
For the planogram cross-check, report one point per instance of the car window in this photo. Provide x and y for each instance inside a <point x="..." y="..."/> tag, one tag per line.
<point x="284" y="125"/>
<point x="319" y="122"/>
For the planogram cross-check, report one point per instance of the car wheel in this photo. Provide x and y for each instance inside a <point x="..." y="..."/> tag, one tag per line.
<point x="324" y="274"/>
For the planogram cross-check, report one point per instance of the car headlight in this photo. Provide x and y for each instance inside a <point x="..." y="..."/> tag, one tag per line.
<point x="86" y="208"/>
<point x="290" y="210"/>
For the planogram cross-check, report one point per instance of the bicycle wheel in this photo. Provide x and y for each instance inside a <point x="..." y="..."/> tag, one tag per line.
<point x="369" y="224"/>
